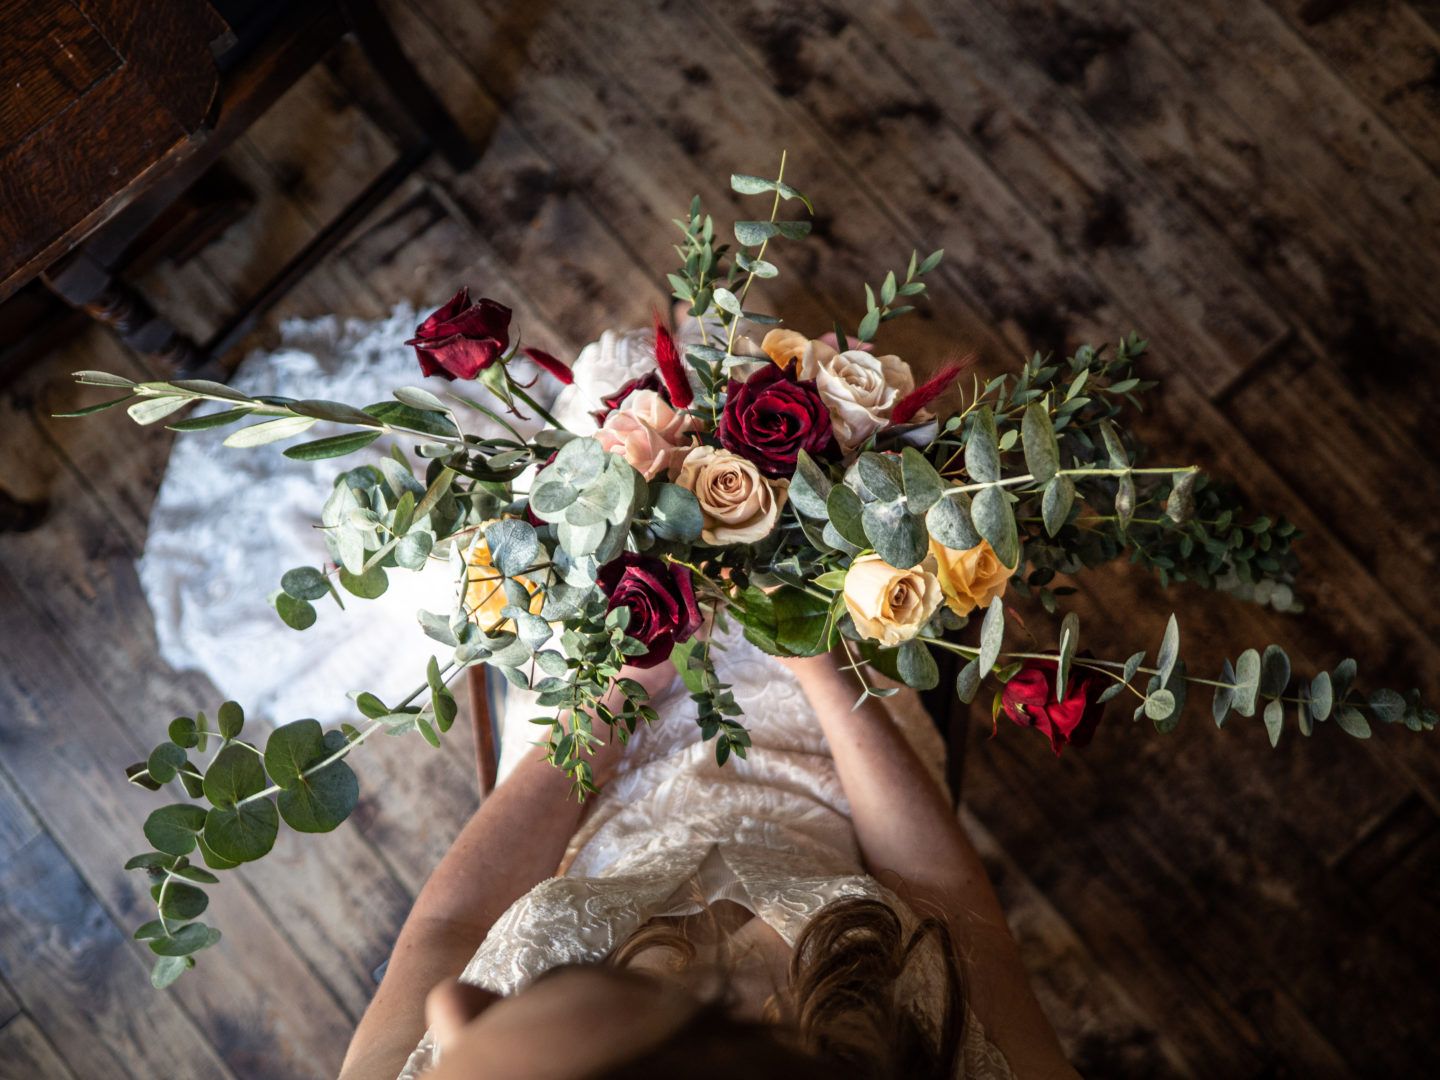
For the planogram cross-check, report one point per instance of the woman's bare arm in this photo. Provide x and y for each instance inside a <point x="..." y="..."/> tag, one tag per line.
<point x="512" y="843"/>
<point x="910" y="837"/>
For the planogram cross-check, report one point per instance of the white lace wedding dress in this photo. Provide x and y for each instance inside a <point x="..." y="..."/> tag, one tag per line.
<point x="771" y="832"/>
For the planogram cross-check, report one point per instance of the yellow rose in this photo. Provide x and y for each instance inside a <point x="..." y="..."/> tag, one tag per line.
<point x="971" y="578"/>
<point x="890" y="605"/>
<point x="739" y="506"/>
<point x="783" y="346"/>
<point x="485" y="592"/>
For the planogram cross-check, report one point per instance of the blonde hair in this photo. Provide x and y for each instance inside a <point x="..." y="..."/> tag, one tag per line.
<point x="851" y="999"/>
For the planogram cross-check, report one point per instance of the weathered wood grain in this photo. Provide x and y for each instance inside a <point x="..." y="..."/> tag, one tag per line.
<point x="58" y="56"/>
<point x="1343" y="296"/>
<point x="1103" y="1029"/>
<point x="1367" y="473"/>
<point x="1312" y="126"/>
<point x="79" y="980"/>
<point x="26" y="1054"/>
<point x="1404" y="90"/>
<point x="873" y="92"/>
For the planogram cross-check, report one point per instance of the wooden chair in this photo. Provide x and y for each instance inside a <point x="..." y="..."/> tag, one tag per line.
<point x="123" y="105"/>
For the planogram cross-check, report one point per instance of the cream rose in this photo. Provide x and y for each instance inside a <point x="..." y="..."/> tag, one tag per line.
<point x="738" y="504"/>
<point x="648" y="433"/>
<point x="890" y="605"/>
<point x="860" y="390"/>
<point x="969" y="579"/>
<point x="783" y="346"/>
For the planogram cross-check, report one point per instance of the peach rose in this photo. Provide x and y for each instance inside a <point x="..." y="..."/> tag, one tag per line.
<point x="783" y="346"/>
<point x="887" y="604"/>
<point x="485" y="593"/>
<point x="647" y="433"/>
<point x="971" y="578"/>
<point x="738" y="504"/>
<point x="860" y="390"/>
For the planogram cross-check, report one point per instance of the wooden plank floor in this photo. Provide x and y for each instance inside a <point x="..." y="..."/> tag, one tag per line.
<point x="1253" y="185"/>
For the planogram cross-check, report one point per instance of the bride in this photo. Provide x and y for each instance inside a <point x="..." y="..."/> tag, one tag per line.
<point x="814" y="909"/>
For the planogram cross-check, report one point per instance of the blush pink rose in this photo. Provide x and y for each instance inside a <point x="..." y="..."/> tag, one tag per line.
<point x="649" y="434"/>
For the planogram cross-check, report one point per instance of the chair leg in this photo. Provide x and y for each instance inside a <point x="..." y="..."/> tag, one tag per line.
<point x="483" y="721"/>
<point x="83" y="283"/>
<point x="410" y="90"/>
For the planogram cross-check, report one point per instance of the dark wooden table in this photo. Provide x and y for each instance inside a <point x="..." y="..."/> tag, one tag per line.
<point x="96" y="95"/>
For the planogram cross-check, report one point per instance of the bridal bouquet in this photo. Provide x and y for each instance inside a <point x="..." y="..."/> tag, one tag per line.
<point x="811" y="488"/>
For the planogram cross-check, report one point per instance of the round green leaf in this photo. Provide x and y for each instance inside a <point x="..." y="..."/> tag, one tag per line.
<point x="1352" y="721"/>
<point x="235" y="774"/>
<point x="163" y="761"/>
<point x="916" y="666"/>
<point x="1274" y="672"/>
<point x="1159" y="705"/>
<point x="242" y="833"/>
<point x="513" y="545"/>
<point x="296" y="614"/>
<point x="982" y="449"/>
<point x="414" y="548"/>
<point x="675" y="512"/>
<point x="844" y="508"/>
<point x="367" y="586"/>
<point x="1056" y="503"/>
<point x="182" y="732"/>
<point x="188" y="939"/>
<point x="231" y="719"/>
<point x="291" y="748"/>
<point x="967" y="683"/>
<point x="305" y="583"/>
<point x="212" y="859"/>
<point x="180" y="901"/>
<point x="1274" y="720"/>
<point x="994" y="521"/>
<point x="1321" y="700"/>
<point x="150" y="860"/>
<point x="1247" y="682"/>
<point x="948" y="521"/>
<point x="881" y="476"/>
<point x="1042" y="450"/>
<point x="321" y="801"/>
<point x="897" y="536"/>
<point x="172" y="829"/>
<point x="167" y="969"/>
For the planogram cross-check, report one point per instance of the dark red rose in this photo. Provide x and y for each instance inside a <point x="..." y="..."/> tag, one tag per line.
<point x="462" y="339"/>
<point x="771" y="417"/>
<point x="549" y="363"/>
<point x="661" y="600"/>
<point x="1029" y="699"/>
<point x="650" y="381"/>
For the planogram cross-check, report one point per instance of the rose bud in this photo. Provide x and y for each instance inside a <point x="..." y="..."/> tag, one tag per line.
<point x="1029" y="699"/>
<point x="661" y="599"/>
<point x="462" y="339"/>
<point x="771" y="417"/>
